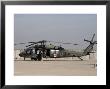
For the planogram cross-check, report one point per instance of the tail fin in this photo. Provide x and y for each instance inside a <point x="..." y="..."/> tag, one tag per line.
<point x="90" y="47"/>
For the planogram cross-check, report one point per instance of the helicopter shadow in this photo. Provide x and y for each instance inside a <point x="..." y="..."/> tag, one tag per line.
<point x="92" y="65"/>
<point x="63" y="60"/>
<point x="22" y="60"/>
<point x="49" y="60"/>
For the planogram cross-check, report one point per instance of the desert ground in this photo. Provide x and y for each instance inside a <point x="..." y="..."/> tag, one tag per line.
<point x="56" y="67"/>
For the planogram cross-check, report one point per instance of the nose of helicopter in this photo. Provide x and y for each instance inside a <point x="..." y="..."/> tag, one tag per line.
<point x="21" y="54"/>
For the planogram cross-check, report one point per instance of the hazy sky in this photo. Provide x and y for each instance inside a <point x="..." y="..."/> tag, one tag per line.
<point x="55" y="27"/>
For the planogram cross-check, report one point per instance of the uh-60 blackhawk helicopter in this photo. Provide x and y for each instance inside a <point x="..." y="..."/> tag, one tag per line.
<point x="39" y="50"/>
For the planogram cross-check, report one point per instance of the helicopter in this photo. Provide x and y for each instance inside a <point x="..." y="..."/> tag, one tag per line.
<point x="38" y="50"/>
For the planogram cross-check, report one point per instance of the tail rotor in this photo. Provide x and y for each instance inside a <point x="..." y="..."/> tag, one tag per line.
<point x="92" y="40"/>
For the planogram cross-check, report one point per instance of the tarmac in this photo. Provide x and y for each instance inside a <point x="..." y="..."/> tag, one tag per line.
<point x="56" y="67"/>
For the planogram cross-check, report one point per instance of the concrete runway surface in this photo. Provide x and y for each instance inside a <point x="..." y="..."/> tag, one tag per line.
<point x="55" y="67"/>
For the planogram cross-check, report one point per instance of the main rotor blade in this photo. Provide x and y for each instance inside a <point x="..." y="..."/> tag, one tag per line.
<point x="54" y="41"/>
<point x="38" y="42"/>
<point x="67" y="43"/>
<point x="31" y="42"/>
<point x="29" y="45"/>
<point x="22" y="43"/>
<point x="62" y="42"/>
<point x="75" y="44"/>
<point x="51" y="41"/>
<point x="19" y="43"/>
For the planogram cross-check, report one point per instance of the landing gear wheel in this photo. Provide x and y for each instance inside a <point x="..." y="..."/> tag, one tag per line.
<point x="24" y="58"/>
<point x="32" y="59"/>
<point x="35" y="59"/>
<point x="39" y="59"/>
<point x="80" y="58"/>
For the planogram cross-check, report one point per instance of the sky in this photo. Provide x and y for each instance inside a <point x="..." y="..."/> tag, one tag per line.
<point x="55" y="27"/>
